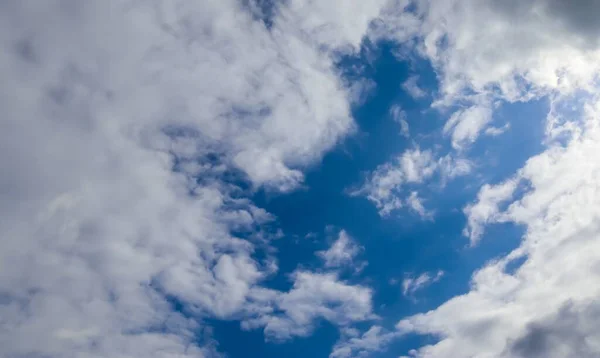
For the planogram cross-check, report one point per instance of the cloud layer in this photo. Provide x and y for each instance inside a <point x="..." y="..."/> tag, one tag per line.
<point x="127" y="132"/>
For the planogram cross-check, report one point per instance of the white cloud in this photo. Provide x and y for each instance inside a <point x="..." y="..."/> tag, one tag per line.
<point x="413" y="166"/>
<point x="486" y="209"/>
<point x="416" y="204"/>
<point x="385" y="184"/>
<point x="515" y="49"/>
<point x="375" y="339"/>
<point x="547" y="306"/>
<point x="341" y="252"/>
<point x="314" y="297"/>
<point x="101" y="101"/>
<point x="512" y="51"/>
<point x="496" y="131"/>
<point x="451" y="167"/>
<point x="464" y="126"/>
<point x="399" y="115"/>
<point x="411" y="284"/>
<point x="412" y="87"/>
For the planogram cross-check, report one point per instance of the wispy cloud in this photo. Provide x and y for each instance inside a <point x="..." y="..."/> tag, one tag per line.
<point x="399" y="116"/>
<point x="342" y="252"/>
<point x="412" y="87"/>
<point x="416" y="204"/>
<point x="411" y="284"/>
<point x="464" y="126"/>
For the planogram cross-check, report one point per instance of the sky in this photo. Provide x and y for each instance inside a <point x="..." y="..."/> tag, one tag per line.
<point x="293" y="178"/>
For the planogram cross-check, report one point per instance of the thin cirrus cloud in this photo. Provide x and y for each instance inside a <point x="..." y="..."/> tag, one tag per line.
<point x="412" y="284"/>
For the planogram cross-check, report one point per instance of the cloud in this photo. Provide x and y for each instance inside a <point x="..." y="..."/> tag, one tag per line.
<point x="341" y="252"/>
<point x="545" y="307"/>
<point x="375" y="339"/>
<point x="451" y="166"/>
<point x="520" y="50"/>
<point x="496" y="131"/>
<point x="486" y="209"/>
<point x="510" y="51"/>
<point x="314" y="297"/>
<point x="411" y="86"/>
<point x="413" y="166"/>
<point x="568" y="333"/>
<point x="399" y="116"/>
<point x="517" y="51"/>
<point x="464" y="126"/>
<point x="385" y="185"/>
<point x="410" y="285"/>
<point x="126" y="128"/>
<point x="416" y="204"/>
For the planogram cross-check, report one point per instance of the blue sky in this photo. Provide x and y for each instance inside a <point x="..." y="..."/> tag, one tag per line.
<point x="392" y="178"/>
<point x="404" y="243"/>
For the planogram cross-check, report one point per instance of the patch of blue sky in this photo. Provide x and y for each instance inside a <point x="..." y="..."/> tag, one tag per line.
<point x="238" y="343"/>
<point x="402" y="243"/>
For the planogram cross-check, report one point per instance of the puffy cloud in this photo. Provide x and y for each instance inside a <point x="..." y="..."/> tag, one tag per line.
<point x="413" y="166"/>
<point x="375" y="339"/>
<point x="451" y="166"/>
<point x="545" y="306"/>
<point x="489" y="50"/>
<point x="486" y="209"/>
<point x="125" y="128"/>
<point x="341" y="252"/>
<point x="314" y="296"/>
<point x="516" y="49"/>
<point x="385" y="185"/>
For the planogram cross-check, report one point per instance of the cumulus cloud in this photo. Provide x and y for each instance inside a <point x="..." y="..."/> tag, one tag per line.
<point x="126" y="127"/>
<point x="451" y="166"/>
<point x="486" y="209"/>
<point x="385" y="185"/>
<point x="545" y="306"/>
<point x="516" y="49"/>
<point x="568" y="333"/>
<point x="413" y="166"/>
<point x="314" y="297"/>
<point x="341" y="252"/>
<point x="510" y="50"/>
<point x="375" y="339"/>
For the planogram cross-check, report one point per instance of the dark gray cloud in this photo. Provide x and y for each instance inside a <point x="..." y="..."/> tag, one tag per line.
<point x="565" y="334"/>
<point x="576" y="17"/>
<point x="579" y="16"/>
